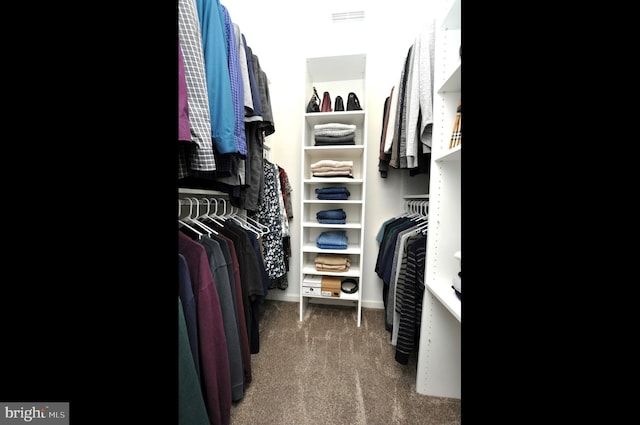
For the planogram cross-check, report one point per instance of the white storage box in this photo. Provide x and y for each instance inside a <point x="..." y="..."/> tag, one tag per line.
<point x="311" y="290"/>
<point x="311" y="280"/>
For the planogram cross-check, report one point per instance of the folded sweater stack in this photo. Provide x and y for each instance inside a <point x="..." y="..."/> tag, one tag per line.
<point x="334" y="134"/>
<point x="332" y="168"/>
<point x="332" y="262"/>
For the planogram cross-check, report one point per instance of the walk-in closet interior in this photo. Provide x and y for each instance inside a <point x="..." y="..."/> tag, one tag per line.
<point x="355" y="206"/>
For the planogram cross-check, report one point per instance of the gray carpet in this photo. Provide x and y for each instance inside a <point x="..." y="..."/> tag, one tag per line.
<point x="328" y="371"/>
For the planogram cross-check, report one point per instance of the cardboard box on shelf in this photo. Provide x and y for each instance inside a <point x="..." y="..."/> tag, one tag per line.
<point x="331" y="286"/>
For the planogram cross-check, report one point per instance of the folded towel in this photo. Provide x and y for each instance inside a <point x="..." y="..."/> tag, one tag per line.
<point x="333" y="126"/>
<point x="336" y="133"/>
<point x="327" y="169"/>
<point x="336" y="139"/>
<point x="333" y="174"/>
<point x="334" y="143"/>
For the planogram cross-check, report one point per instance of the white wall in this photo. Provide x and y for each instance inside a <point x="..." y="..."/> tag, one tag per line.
<point x="283" y="33"/>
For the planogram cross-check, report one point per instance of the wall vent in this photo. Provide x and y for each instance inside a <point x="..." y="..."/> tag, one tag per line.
<point x="347" y="16"/>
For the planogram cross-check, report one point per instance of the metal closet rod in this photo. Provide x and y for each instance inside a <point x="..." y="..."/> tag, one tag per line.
<point x="418" y="196"/>
<point x="190" y="191"/>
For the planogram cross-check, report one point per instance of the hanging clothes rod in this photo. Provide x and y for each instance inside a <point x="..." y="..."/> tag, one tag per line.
<point x="420" y="196"/>
<point x="190" y="191"/>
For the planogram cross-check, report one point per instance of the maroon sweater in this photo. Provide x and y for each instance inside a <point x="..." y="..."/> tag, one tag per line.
<point x="214" y="359"/>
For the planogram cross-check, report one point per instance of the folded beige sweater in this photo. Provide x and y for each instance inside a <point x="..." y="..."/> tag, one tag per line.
<point x="331" y="163"/>
<point x="332" y="259"/>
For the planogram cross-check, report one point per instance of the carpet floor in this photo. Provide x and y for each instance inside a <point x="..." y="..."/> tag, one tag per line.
<point x="327" y="371"/>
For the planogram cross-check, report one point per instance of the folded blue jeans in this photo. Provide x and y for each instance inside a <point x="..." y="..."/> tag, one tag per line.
<point x="332" y="196"/>
<point x="332" y="237"/>
<point x="326" y="246"/>
<point x="332" y="220"/>
<point x="336" y="213"/>
<point x="333" y="189"/>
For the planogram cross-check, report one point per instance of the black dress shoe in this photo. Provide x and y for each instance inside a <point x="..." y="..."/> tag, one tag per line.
<point x="339" y="104"/>
<point x="353" y="103"/>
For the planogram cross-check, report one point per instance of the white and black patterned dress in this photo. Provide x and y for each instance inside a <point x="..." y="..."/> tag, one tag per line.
<point x="269" y="213"/>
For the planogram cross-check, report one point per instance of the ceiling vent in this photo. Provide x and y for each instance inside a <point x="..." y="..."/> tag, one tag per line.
<point x="347" y="16"/>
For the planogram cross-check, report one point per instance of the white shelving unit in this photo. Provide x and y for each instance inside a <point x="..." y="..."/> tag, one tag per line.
<point x="439" y="357"/>
<point x="338" y="75"/>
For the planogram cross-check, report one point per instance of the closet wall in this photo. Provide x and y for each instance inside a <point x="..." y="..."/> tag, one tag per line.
<point x="283" y="43"/>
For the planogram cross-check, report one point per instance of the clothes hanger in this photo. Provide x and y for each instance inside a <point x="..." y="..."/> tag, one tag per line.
<point x="188" y="230"/>
<point x="191" y="220"/>
<point x="425" y="208"/>
<point x="195" y="220"/>
<point x="261" y="228"/>
<point x="233" y="215"/>
<point x="205" y="215"/>
<point x="213" y="216"/>
<point x="423" y="227"/>
<point x="409" y="212"/>
<point x="422" y="210"/>
<point x="221" y="216"/>
<point x="264" y="229"/>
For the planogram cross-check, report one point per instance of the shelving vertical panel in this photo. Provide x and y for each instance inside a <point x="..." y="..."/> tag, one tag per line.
<point x="339" y="75"/>
<point x="439" y="355"/>
<point x="439" y="371"/>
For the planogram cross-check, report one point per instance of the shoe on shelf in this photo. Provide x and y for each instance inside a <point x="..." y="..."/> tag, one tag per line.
<point x="353" y="103"/>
